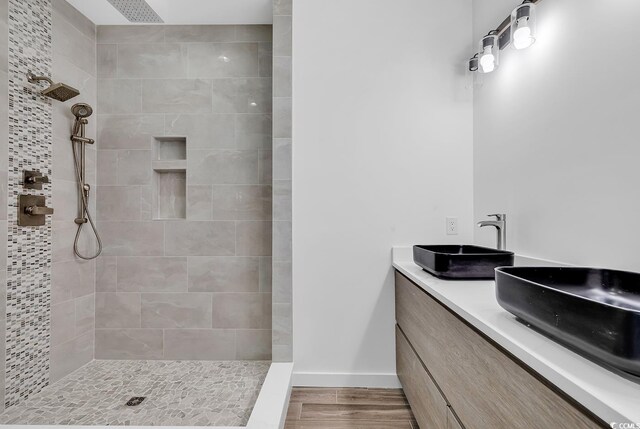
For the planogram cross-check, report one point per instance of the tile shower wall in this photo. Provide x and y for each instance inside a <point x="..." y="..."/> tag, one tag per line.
<point x="72" y="279"/>
<point x="282" y="182"/>
<point x="199" y="287"/>
<point x="48" y="329"/>
<point x="28" y="286"/>
<point x="29" y="249"/>
<point x="4" y="150"/>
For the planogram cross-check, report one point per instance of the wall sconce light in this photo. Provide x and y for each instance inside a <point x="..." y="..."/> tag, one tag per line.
<point x="523" y="25"/>
<point x="473" y="63"/>
<point x="489" y="55"/>
<point x="519" y="29"/>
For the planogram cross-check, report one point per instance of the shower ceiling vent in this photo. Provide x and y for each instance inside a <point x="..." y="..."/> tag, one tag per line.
<point x="136" y="11"/>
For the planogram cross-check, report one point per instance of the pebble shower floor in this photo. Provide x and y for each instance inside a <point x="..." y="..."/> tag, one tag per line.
<point x="178" y="393"/>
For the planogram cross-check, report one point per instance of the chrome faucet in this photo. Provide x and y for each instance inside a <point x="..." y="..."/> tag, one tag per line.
<point x="501" y="228"/>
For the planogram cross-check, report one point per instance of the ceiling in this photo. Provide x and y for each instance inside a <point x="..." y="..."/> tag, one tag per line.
<point x="101" y="12"/>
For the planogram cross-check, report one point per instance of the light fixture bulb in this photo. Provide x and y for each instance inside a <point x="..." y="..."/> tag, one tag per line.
<point x="488" y="63"/>
<point x="522" y="37"/>
<point x="523" y="25"/>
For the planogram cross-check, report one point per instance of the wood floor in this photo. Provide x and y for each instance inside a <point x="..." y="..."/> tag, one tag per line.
<point x="314" y="408"/>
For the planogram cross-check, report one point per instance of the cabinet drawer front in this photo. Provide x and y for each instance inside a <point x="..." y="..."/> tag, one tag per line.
<point x="485" y="387"/>
<point x="428" y="406"/>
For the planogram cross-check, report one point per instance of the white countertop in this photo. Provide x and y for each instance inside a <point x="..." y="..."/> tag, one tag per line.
<point x="608" y="395"/>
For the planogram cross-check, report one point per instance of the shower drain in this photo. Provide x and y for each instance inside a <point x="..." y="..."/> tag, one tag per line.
<point x="135" y="401"/>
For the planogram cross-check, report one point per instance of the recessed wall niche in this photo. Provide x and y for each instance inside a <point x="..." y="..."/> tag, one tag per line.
<point x="169" y="178"/>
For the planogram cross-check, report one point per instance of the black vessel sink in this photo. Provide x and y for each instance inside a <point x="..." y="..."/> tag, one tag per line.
<point x="461" y="262"/>
<point x="593" y="311"/>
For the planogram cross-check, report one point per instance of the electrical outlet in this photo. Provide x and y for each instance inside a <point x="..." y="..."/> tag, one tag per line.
<point x="452" y="226"/>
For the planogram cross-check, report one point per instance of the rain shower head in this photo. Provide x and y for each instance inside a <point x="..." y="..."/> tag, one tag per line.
<point x="81" y="110"/>
<point x="57" y="91"/>
<point x="136" y="11"/>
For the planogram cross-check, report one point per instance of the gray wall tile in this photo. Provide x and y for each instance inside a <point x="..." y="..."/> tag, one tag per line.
<point x="253" y="33"/>
<point x="71" y="279"/>
<point x="282" y="159"/>
<point x="265" y="274"/>
<point x="216" y="60"/>
<point x="176" y="310"/>
<point x="282" y="84"/>
<point x="265" y="59"/>
<point x="154" y="60"/>
<point x="208" y="167"/>
<point x="282" y="324"/>
<point x="282" y="36"/>
<point x="130" y="34"/>
<point x="200" y="33"/>
<point x="63" y="322"/>
<point x="85" y="314"/>
<point x="282" y="111"/>
<point x="107" y="167"/>
<point x="106" y="274"/>
<point x="199" y="238"/>
<point x="203" y="131"/>
<point x="64" y="198"/>
<point x="134" y="167"/>
<point x="265" y="167"/>
<point x="107" y="58"/>
<point x="232" y="274"/>
<point x="152" y="274"/>
<point x="117" y="310"/>
<point x="199" y="202"/>
<point x="75" y="18"/>
<point x="119" y="96"/>
<point x="69" y="42"/>
<point x="242" y="310"/>
<point x="224" y="112"/>
<point x="132" y="238"/>
<point x="242" y="95"/>
<point x="253" y="131"/>
<point x="63" y="234"/>
<point x="254" y="344"/>
<point x="253" y="238"/>
<point x="241" y="202"/>
<point x="129" y="344"/>
<point x="282" y="353"/>
<point x="118" y="203"/>
<point x="128" y="131"/>
<point x="200" y="344"/>
<point x="281" y="241"/>
<point x="71" y="355"/>
<point x="282" y="7"/>
<point x="282" y="200"/>
<point x="176" y="96"/>
<point x="282" y="280"/>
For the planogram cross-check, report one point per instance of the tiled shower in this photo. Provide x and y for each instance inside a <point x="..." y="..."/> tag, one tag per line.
<point x="184" y="192"/>
<point x="181" y="182"/>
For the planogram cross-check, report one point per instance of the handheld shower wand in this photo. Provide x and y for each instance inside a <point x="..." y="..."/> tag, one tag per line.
<point x="78" y="140"/>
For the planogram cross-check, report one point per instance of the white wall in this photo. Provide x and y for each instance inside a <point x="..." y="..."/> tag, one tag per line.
<point x="382" y="153"/>
<point x="556" y="134"/>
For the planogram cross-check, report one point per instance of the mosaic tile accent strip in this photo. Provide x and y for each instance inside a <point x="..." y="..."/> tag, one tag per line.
<point x="178" y="393"/>
<point x="29" y="249"/>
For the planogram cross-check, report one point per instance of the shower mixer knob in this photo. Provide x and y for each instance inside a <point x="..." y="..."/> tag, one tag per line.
<point x="34" y="179"/>
<point x="32" y="210"/>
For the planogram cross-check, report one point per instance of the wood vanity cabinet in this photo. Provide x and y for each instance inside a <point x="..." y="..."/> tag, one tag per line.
<point x="454" y="377"/>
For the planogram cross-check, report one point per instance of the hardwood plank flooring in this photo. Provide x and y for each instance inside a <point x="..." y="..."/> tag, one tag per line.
<point x="349" y="408"/>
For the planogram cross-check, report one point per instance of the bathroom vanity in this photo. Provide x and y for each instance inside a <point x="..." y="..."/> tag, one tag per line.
<point x="466" y="363"/>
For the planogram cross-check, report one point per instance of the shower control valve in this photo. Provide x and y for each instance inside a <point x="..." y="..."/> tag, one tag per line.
<point x="34" y="179"/>
<point x="32" y="210"/>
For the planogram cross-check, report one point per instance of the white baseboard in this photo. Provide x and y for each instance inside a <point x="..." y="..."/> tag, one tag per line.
<point x="323" y="379"/>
